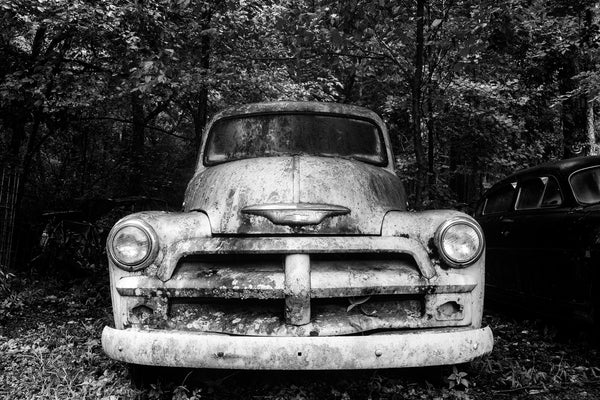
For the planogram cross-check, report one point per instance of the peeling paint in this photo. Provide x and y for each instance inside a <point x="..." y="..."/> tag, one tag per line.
<point x="369" y="192"/>
<point x="267" y="288"/>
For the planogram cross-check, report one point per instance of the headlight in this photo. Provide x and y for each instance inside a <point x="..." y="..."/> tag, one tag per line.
<point x="132" y="245"/>
<point x="460" y="241"/>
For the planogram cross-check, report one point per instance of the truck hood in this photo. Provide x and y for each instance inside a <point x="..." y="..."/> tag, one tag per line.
<point x="334" y="196"/>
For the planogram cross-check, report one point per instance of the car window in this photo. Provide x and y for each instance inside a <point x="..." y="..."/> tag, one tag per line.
<point x="538" y="192"/>
<point x="267" y="135"/>
<point x="500" y="200"/>
<point x="552" y="195"/>
<point x="530" y="193"/>
<point x="586" y="185"/>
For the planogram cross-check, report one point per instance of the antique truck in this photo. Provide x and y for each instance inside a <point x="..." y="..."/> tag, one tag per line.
<point x="295" y="250"/>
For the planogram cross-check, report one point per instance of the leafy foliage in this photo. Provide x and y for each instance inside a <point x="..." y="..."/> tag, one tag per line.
<point x="110" y="99"/>
<point x="5" y="281"/>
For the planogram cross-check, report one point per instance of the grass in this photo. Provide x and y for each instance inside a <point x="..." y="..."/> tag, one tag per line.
<point x="50" y="349"/>
<point x="50" y="343"/>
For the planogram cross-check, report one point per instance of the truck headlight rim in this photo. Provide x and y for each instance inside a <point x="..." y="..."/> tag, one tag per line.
<point x="152" y="251"/>
<point x="440" y="236"/>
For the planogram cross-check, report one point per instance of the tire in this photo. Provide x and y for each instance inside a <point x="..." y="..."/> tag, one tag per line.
<point x="143" y="376"/>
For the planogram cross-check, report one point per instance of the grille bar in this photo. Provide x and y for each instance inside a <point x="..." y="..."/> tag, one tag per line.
<point x="296" y="245"/>
<point x="297" y="289"/>
<point x="330" y="279"/>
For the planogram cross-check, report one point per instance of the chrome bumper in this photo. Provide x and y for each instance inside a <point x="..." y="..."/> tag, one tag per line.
<point x="386" y="350"/>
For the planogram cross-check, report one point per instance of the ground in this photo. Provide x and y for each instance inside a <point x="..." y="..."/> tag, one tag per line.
<point x="50" y="348"/>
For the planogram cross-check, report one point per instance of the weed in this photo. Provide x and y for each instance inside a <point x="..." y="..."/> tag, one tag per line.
<point x="457" y="379"/>
<point x="5" y="281"/>
<point x="50" y="347"/>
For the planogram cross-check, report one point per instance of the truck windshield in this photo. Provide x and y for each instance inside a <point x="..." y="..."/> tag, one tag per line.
<point x="294" y="134"/>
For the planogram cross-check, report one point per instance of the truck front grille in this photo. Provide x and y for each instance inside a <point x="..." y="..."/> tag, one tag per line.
<point x="329" y="317"/>
<point x="331" y="275"/>
<point x="298" y="295"/>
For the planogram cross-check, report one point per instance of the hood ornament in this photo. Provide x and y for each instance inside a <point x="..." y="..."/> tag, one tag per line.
<point x="296" y="214"/>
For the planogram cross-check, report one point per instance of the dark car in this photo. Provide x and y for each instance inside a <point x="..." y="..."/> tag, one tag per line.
<point x="542" y="229"/>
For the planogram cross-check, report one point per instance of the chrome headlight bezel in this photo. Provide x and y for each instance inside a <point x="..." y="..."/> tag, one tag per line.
<point x="440" y="235"/>
<point x="147" y="230"/>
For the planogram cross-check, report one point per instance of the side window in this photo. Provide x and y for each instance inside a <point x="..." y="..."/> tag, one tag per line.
<point x="552" y="195"/>
<point x="586" y="185"/>
<point x="500" y="200"/>
<point x="539" y="192"/>
<point x="530" y="193"/>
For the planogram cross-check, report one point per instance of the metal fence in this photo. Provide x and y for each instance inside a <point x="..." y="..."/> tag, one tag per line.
<point x="9" y="184"/>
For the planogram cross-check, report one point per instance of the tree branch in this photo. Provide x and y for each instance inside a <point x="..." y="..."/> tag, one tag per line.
<point x="38" y="42"/>
<point x="393" y="57"/>
<point x="126" y="121"/>
<point x="56" y="40"/>
<point x="157" y="110"/>
<point x="311" y="56"/>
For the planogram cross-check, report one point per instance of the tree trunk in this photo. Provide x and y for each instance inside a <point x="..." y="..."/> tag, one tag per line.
<point x="591" y="24"/>
<point x="417" y="84"/>
<point x="136" y="146"/>
<point x="15" y="117"/>
<point x="431" y="178"/>
<point x="200" y="113"/>
<point x="590" y="129"/>
<point x="23" y="177"/>
<point x="573" y="111"/>
<point x="200" y="117"/>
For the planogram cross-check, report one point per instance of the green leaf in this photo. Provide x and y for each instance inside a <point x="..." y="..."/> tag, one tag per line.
<point x="436" y="22"/>
<point x="208" y="32"/>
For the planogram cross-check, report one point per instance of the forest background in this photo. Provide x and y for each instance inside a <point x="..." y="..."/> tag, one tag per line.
<point x="108" y="99"/>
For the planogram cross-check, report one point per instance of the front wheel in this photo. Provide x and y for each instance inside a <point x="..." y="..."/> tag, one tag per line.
<point x="143" y="376"/>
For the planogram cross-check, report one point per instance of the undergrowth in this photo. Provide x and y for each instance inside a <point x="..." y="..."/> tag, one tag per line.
<point x="50" y="348"/>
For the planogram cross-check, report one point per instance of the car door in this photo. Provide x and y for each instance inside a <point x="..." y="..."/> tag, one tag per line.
<point x="583" y="274"/>
<point x="540" y="232"/>
<point x="494" y="215"/>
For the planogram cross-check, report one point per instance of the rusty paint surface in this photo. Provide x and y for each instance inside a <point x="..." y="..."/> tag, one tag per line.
<point x="235" y="313"/>
<point x="328" y="318"/>
<point x="301" y="106"/>
<point x="394" y="350"/>
<point x="297" y="289"/>
<point x="327" y="279"/>
<point x="295" y="214"/>
<point x="420" y="226"/>
<point x="222" y="191"/>
<point x="295" y="245"/>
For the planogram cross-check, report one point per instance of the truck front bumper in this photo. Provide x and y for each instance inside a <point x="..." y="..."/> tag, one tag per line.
<point x="385" y="350"/>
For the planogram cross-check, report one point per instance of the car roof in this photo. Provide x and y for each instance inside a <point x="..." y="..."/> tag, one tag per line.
<point x="300" y="106"/>
<point x="561" y="167"/>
